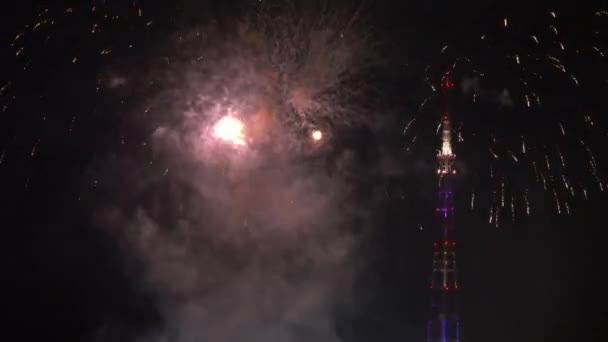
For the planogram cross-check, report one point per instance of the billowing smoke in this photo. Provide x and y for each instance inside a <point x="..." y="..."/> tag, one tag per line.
<point x="253" y="242"/>
<point x="264" y="257"/>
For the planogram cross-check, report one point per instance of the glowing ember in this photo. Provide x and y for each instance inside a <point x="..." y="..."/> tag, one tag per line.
<point x="230" y="129"/>
<point x="317" y="135"/>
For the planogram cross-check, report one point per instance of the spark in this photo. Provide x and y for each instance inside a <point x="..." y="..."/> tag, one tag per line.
<point x="424" y="102"/>
<point x="513" y="156"/>
<point x="506" y="22"/>
<point x="17" y="37"/>
<point x="561" y="157"/>
<point x="591" y="158"/>
<point x="411" y="143"/>
<point x="558" y="207"/>
<point x="527" y="203"/>
<point x="554" y="29"/>
<point x="598" y="51"/>
<point x="72" y="122"/>
<point x="472" y="200"/>
<point x="407" y="126"/>
<point x="534" y="38"/>
<point x="502" y="193"/>
<point x="33" y="153"/>
<point x="585" y="193"/>
<point x="561" y="128"/>
<point x="542" y="177"/>
<point x="512" y="209"/>
<point x="566" y="185"/>
<point x="574" y="79"/>
<point x="557" y="63"/>
<point x="4" y="88"/>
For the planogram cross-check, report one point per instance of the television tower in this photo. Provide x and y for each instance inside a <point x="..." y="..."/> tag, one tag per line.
<point x="444" y="325"/>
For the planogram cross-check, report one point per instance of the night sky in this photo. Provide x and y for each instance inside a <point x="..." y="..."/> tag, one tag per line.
<point x="127" y="219"/>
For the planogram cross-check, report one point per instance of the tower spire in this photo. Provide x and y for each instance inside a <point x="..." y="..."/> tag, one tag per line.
<point x="444" y="325"/>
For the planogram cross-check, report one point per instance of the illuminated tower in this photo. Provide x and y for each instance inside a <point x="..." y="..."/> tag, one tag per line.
<point x="443" y="325"/>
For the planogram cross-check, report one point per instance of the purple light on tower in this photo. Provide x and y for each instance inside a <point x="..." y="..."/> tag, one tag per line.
<point x="443" y="325"/>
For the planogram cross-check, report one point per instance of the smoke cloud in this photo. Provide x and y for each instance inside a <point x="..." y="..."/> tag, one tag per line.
<point x="253" y="243"/>
<point x="259" y="256"/>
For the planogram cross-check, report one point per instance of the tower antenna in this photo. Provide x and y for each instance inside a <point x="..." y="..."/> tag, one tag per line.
<point x="444" y="324"/>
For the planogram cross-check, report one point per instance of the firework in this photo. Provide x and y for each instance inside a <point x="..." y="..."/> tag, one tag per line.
<point x="282" y="69"/>
<point x="206" y="129"/>
<point x="316" y="135"/>
<point x="230" y="129"/>
<point x="512" y="67"/>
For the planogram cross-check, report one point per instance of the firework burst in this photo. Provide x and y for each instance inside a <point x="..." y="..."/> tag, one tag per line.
<point x="527" y="89"/>
<point x="283" y="70"/>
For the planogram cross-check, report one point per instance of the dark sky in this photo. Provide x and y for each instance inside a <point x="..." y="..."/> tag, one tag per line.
<point x="540" y="279"/>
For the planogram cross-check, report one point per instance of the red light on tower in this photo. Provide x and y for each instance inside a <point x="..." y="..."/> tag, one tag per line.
<point x="447" y="83"/>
